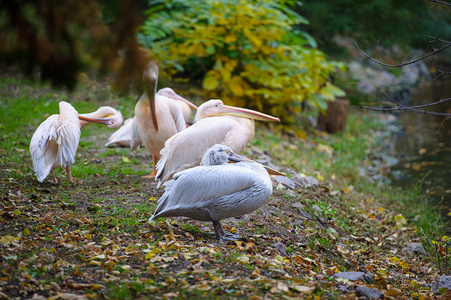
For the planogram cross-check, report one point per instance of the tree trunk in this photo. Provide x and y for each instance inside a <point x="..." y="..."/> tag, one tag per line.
<point x="336" y="116"/>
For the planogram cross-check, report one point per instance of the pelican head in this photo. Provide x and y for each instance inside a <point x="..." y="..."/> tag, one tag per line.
<point x="112" y="118"/>
<point x="216" y="108"/>
<point x="170" y="93"/>
<point x="221" y="154"/>
<point x="150" y="79"/>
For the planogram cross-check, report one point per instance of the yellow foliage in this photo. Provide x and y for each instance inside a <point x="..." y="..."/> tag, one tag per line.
<point x="260" y="60"/>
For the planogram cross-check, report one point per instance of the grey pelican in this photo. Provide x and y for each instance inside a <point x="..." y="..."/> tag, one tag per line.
<point x="55" y="141"/>
<point x="215" y="123"/>
<point x="216" y="190"/>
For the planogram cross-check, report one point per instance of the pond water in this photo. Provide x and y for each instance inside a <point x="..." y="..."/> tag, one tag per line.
<point x="424" y="147"/>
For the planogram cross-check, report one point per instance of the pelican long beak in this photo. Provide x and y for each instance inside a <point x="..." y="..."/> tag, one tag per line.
<point x="104" y="121"/>
<point x="150" y="79"/>
<point x="226" y="110"/>
<point x="180" y="98"/>
<point x="237" y="158"/>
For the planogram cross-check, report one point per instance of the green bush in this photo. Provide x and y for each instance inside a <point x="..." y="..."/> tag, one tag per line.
<point x="248" y="53"/>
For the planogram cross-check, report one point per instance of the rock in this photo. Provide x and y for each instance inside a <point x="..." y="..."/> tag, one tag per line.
<point x="342" y="288"/>
<point x="368" y="292"/>
<point x="280" y="247"/>
<point x="353" y="276"/>
<point x="285" y="181"/>
<point x="443" y="282"/>
<point x="415" y="248"/>
<point x="307" y="181"/>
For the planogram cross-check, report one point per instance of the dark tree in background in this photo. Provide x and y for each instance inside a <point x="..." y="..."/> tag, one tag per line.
<point x="59" y="39"/>
<point x="389" y="22"/>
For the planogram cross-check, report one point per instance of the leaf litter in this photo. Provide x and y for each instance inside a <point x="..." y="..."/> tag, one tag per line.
<point x="56" y="243"/>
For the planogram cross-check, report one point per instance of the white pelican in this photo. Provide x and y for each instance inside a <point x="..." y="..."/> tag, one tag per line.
<point x="215" y="123"/>
<point x="216" y="190"/>
<point x="128" y="134"/>
<point x="55" y="142"/>
<point x="157" y="117"/>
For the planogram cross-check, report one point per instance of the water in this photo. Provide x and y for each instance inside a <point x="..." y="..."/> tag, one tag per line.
<point x="424" y="148"/>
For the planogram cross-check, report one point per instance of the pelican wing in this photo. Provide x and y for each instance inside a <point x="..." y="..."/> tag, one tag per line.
<point x="122" y="136"/>
<point x="177" y="115"/>
<point x="43" y="152"/>
<point x="186" y="148"/>
<point x="54" y="143"/>
<point x="68" y="134"/>
<point x="135" y="141"/>
<point x="194" y="188"/>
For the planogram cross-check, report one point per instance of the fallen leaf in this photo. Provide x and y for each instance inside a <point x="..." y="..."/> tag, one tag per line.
<point x="303" y="289"/>
<point x="393" y="292"/>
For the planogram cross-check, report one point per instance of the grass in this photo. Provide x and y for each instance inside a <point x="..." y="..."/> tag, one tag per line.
<point x="95" y="232"/>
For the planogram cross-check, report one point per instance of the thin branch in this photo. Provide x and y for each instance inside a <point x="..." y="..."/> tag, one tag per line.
<point x="443" y="72"/>
<point x="413" y="109"/>
<point x="409" y="62"/>
<point x="440" y="2"/>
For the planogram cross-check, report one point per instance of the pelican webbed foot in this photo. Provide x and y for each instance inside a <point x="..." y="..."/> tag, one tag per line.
<point x="154" y="173"/>
<point x="55" y="181"/>
<point x="221" y="235"/>
<point x="151" y="175"/>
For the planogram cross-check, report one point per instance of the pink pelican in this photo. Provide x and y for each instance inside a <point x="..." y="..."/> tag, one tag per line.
<point x="215" y="123"/>
<point x="128" y="134"/>
<point x="55" y="142"/>
<point x="157" y="117"/>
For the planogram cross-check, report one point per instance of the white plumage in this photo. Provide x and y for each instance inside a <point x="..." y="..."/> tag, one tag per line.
<point x="55" y="142"/>
<point x="216" y="190"/>
<point x="216" y="123"/>
<point x="157" y="117"/>
<point x="128" y="134"/>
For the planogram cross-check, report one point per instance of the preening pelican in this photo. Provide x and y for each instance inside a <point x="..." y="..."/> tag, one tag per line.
<point x="215" y="123"/>
<point x="128" y="134"/>
<point x="55" y="142"/>
<point x="216" y="190"/>
<point x="157" y="117"/>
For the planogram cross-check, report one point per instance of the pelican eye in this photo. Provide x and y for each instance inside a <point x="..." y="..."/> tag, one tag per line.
<point x="228" y="152"/>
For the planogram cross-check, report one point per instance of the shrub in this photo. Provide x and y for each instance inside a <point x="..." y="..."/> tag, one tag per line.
<point x="248" y="53"/>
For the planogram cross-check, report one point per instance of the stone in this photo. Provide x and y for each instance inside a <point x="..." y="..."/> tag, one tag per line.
<point x="415" y="248"/>
<point x="285" y="181"/>
<point x="368" y="293"/>
<point x="443" y="282"/>
<point x="307" y="181"/>
<point x="342" y="288"/>
<point x="354" y="276"/>
<point x="280" y="247"/>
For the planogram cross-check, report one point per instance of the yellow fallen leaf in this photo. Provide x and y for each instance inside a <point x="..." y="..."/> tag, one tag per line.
<point x="97" y="286"/>
<point x="394" y="259"/>
<point x="393" y="292"/>
<point x="125" y="159"/>
<point x="26" y="232"/>
<point x="404" y="265"/>
<point x="279" y="258"/>
<point x="7" y="239"/>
